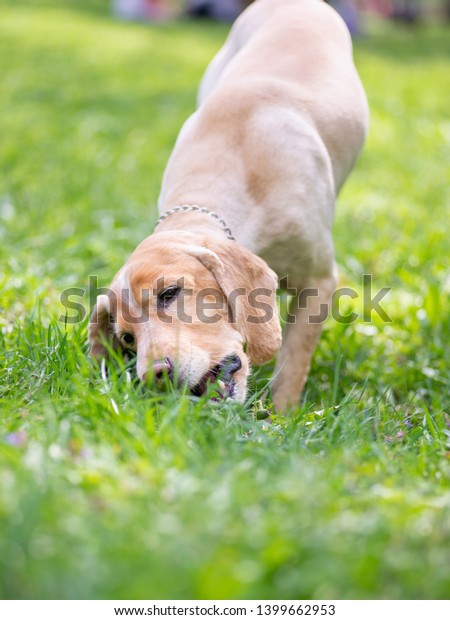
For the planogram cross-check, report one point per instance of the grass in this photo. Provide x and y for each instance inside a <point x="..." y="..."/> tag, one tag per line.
<point x="106" y="492"/>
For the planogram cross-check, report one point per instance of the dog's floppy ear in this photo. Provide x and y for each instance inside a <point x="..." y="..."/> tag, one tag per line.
<point x="250" y="288"/>
<point x="100" y="329"/>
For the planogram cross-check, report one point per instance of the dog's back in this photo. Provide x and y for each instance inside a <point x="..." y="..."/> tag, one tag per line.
<point x="299" y="52"/>
<point x="282" y="117"/>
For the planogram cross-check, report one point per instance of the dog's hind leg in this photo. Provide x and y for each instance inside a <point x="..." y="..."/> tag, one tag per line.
<point x="307" y="314"/>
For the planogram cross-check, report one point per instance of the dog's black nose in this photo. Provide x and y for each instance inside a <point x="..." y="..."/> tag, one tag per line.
<point x="160" y="372"/>
<point x="230" y="366"/>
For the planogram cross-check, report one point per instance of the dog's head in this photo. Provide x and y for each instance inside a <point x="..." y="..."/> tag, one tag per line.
<point x="192" y="310"/>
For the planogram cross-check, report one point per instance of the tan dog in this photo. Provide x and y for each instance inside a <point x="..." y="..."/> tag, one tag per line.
<point x="282" y="117"/>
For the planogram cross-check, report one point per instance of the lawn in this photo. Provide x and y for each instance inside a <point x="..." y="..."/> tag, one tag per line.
<point x="109" y="492"/>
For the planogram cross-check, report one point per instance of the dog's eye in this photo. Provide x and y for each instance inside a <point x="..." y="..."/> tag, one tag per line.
<point x="168" y="294"/>
<point x="127" y="339"/>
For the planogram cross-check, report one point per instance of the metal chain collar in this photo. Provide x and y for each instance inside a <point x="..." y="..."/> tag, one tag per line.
<point x="181" y="208"/>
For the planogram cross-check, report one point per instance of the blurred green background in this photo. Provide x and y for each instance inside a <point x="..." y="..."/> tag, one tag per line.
<point x="106" y="492"/>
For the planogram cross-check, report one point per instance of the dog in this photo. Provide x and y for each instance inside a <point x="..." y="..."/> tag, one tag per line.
<point x="247" y="197"/>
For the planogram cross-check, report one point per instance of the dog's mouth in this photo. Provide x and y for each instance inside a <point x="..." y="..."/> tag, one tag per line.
<point x="219" y="379"/>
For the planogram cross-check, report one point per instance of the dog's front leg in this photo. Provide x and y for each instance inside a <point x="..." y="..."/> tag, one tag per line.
<point x="307" y="314"/>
